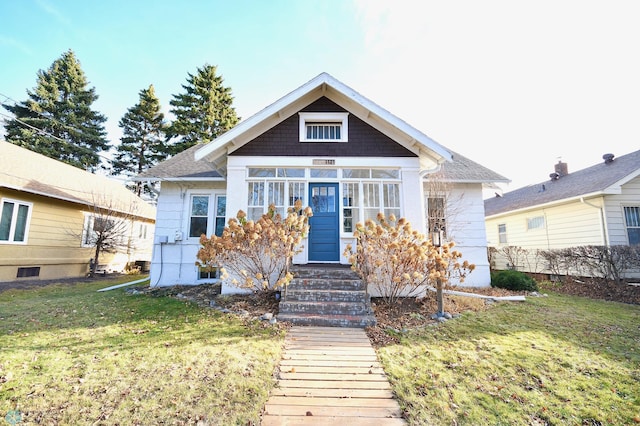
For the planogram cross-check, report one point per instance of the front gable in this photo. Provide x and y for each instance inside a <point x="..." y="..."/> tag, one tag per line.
<point x="363" y="140"/>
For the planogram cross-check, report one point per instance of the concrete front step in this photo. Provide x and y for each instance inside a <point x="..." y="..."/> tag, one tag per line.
<point x="326" y="284"/>
<point x="354" y="321"/>
<point x="331" y="295"/>
<point x="324" y="308"/>
<point x="329" y="272"/>
<point x="296" y="295"/>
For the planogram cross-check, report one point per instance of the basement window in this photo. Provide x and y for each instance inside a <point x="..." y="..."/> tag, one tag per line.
<point x="324" y="126"/>
<point x="33" y="271"/>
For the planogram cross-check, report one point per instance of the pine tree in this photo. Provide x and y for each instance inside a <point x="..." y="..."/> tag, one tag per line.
<point x="60" y="106"/>
<point x="143" y="142"/>
<point x="203" y="112"/>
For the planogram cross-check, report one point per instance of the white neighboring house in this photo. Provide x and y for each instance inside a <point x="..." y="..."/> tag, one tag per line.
<point x="339" y="153"/>
<point x="599" y="205"/>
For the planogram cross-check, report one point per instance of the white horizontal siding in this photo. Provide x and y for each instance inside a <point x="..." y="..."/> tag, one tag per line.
<point x="614" y="206"/>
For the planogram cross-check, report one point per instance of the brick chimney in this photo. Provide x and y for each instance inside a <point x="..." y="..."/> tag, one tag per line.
<point x="562" y="169"/>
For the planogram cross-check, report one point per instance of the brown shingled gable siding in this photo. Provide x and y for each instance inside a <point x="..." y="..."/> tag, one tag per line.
<point x="283" y="139"/>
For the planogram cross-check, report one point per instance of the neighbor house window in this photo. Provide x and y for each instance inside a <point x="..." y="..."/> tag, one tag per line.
<point x="14" y="221"/>
<point x="95" y="226"/>
<point x="324" y="127"/>
<point x="632" y="220"/>
<point x="502" y="233"/>
<point x="203" y="219"/>
<point x="535" y="223"/>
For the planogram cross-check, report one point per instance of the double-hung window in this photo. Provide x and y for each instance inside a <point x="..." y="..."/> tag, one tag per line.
<point x="502" y="233"/>
<point x="632" y="220"/>
<point x="103" y="227"/>
<point x="207" y="214"/>
<point x="14" y="221"/>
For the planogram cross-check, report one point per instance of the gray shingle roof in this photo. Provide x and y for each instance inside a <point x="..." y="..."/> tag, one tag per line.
<point x="181" y="166"/>
<point x="593" y="179"/>
<point x="184" y="166"/>
<point x="462" y="169"/>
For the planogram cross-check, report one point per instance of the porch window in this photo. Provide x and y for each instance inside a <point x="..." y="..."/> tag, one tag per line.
<point x="14" y="221"/>
<point x="364" y="200"/>
<point x="220" y="214"/>
<point x="283" y="194"/>
<point x="632" y="220"/>
<point x="324" y="127"/>
<point x="350" y="205"/>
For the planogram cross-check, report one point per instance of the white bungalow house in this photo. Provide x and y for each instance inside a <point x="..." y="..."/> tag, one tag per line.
<point x="599" y="205"/>
<point x="339" y="153"/>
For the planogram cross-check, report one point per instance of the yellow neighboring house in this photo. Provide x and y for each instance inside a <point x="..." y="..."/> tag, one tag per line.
<point x="49" y="214"/>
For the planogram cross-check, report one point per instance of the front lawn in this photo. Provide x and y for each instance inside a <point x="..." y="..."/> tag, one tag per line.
<point x="71" y="355"/>
<point x="557" y="360"/>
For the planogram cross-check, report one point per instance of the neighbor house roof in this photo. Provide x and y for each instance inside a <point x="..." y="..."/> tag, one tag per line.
<point x="208" y="161"/>
<point x="602" y="178"/>
<point x="28" y="171"/>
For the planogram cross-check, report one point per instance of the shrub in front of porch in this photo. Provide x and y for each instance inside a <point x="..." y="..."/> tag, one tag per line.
<point x="399" y="261"/>
<point x="257" y="255"/>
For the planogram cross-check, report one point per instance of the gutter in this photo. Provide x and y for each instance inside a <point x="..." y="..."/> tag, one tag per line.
<point x="603" y="223"/>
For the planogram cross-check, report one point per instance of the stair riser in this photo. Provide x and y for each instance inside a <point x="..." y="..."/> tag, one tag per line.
<point x="324" y="284"/>
<point x="340" y="274"/>
<point x="325" y="296"/>
<point x="323" y="308"/>
<point x="330" y="322"/>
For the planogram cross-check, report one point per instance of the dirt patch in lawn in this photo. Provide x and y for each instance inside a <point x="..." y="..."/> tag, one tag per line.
<point x="596" y="289"/>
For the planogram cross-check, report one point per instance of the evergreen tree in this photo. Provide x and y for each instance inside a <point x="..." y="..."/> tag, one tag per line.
<point x="143" y="142"/>
<point x="203" y="112"/>
<point x="60" y="105"/>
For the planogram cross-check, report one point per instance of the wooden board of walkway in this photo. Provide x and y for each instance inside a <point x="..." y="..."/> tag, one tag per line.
<point x="331" y="375"/>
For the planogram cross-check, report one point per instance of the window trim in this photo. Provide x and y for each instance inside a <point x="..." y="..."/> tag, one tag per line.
<point x="12" y="223"/>
<point x="626" y="224"/>
<point x="502" y="234"/>
<point x="340" y="118"/>
<point x="211" y="212"/>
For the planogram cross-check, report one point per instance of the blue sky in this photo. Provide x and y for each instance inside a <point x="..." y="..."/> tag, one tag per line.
<point x="514" y="85"/>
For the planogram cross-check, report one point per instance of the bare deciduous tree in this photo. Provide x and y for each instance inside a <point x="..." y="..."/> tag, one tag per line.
<point x="107" y="229"/>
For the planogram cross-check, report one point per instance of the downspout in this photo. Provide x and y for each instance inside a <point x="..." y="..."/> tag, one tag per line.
<point x="603" y="227"/>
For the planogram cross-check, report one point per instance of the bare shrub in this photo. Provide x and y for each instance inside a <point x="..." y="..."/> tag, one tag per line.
<point x="257" y="255"/>
<point x="398" y="260"/>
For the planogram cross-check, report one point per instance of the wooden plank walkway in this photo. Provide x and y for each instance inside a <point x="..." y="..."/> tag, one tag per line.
<point x="331" y="375"/>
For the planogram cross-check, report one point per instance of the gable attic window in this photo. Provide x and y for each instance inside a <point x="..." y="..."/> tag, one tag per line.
<point x="324" y="126"/>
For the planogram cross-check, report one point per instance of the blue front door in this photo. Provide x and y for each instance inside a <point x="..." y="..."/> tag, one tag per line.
<point x="324" y="241"/>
